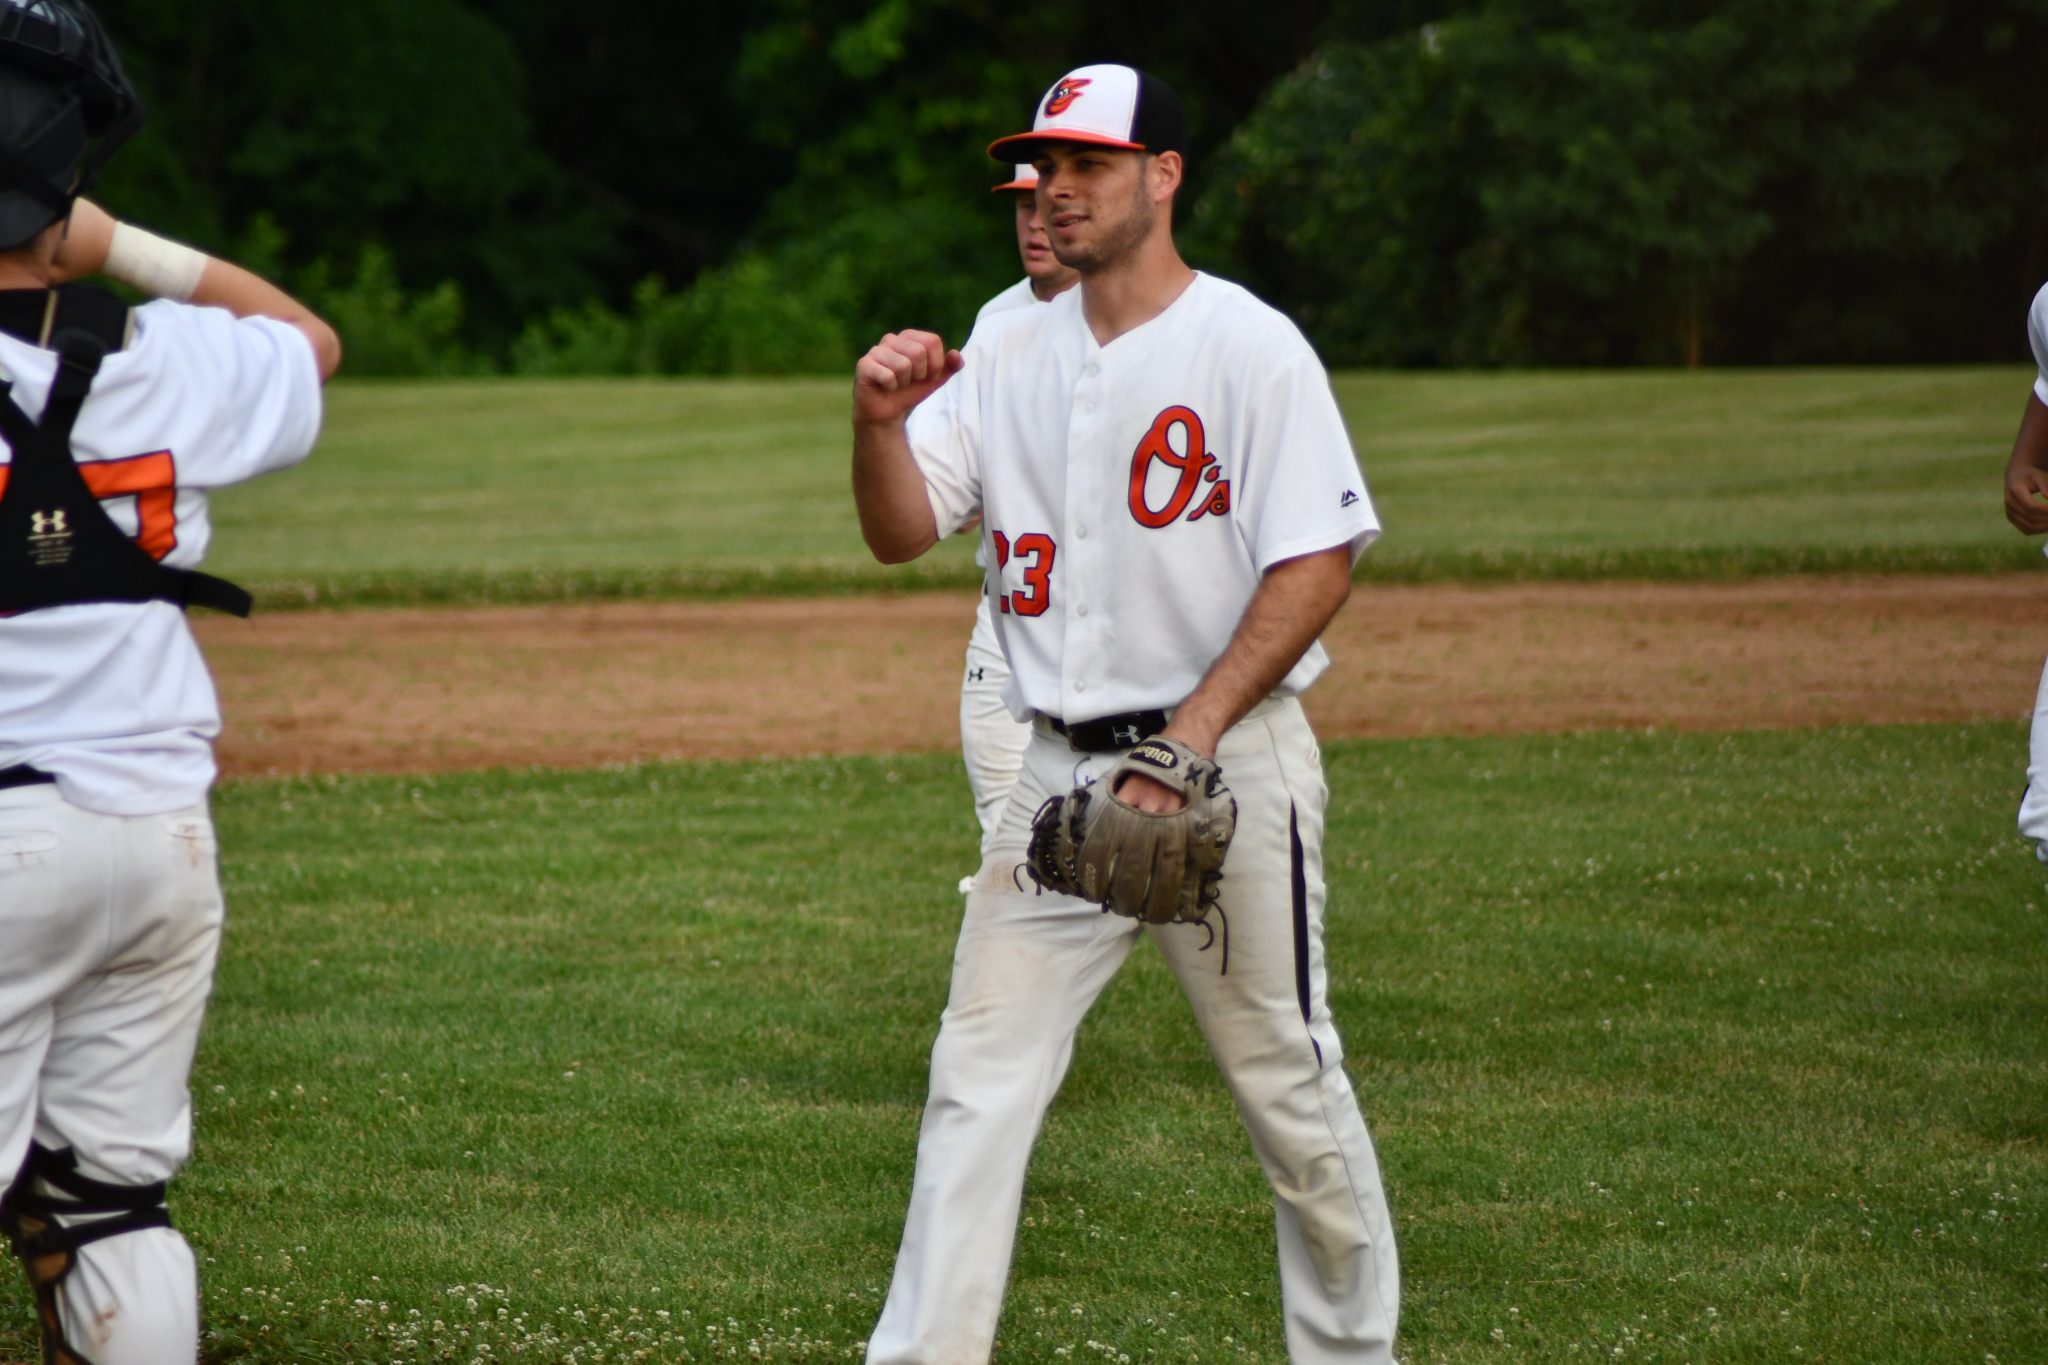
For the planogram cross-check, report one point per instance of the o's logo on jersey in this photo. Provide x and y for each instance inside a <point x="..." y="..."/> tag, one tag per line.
<point x="1196" y="465"/>
<point x="1063" y="96"/>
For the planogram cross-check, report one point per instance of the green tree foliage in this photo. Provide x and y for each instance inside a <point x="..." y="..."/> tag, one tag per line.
<point x="1614" y="181"/>
<point x="399" y="123"/>
<point x="887" y="107"/>
<point x="1474" y="182"/>
<point x="746" y="317"/>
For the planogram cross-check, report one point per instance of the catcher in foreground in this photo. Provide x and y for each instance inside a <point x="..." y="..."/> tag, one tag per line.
<point x="1162" y="867"/>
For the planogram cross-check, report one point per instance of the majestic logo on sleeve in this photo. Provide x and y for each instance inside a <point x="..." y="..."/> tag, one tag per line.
<point x="1063" y="96"/>
<point x="1193" y="470"/>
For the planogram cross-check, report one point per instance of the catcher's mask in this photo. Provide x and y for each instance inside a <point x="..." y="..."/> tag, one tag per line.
<point x="65" y="107"/>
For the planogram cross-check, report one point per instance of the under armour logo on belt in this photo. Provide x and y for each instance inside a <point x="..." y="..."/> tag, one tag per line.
<point x="48" y="523"/>
<point x="1125" y="735"/>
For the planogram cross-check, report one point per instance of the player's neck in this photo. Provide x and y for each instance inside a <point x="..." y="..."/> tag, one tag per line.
<point x="1045" y="291"/>
<point x="1137" y="289"/>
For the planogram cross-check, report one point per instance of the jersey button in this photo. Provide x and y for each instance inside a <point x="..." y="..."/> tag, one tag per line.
<point x="1081" y="610"/>
<point x="1081" y="532"/>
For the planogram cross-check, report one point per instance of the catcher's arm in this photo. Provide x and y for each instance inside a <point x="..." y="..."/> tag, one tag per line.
<point x="898" y="372"/>
<point x="2026" y="474"/>
<point x="88" y="247"/>
<point x="1295" y="600"/>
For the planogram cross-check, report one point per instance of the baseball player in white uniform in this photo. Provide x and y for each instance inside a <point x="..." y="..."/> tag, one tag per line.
<point x="2026" y="507"/>
<point x="991" y="739"/>
<point x="117" y="423"/>
<point x="1172" y="510"/>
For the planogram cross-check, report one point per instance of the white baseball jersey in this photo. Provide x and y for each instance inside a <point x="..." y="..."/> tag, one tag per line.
<point x="113" y="698"/>
<point x="991" y="739"/>
<point x="1018" y="295"/>
<point x="1199" y="449"/>
<point x="2037" y="337"/>
<point x="929" y="418"/>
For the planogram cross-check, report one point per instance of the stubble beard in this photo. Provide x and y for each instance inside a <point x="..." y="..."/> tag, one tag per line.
<point x="1116" y="245"/>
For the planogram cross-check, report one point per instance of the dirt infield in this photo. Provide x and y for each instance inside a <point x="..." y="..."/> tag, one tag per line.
<point x="405" y="691"/>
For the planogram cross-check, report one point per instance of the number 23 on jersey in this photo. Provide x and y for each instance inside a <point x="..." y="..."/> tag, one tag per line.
<point x="1035" y="552"/>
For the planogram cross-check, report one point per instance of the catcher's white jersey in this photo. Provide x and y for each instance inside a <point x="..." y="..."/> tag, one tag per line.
<point x="2037" y="337"/>
<point x="113" y="698"/>
<point x="1199" y="449"/>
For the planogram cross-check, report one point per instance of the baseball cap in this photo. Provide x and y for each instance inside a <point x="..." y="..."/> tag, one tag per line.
<point x="1027" y="179"/>
<point x="1107" y="105"/>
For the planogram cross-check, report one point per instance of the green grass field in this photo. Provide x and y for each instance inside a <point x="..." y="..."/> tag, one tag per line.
<point x="539" y="490"/>
<point x="1677" y="1048"/>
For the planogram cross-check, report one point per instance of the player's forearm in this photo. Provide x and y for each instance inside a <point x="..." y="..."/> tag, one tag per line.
<point x="96" y="243"/>
<point x="895" y="512"/>
<point x="1296" y="599"/>
<point x="223" y="284"/>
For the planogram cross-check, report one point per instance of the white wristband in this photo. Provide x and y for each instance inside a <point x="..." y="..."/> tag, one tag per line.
<point x="156" y="265"/>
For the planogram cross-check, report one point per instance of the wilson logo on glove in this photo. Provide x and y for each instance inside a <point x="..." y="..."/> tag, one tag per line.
<point x="1158" y="754"/>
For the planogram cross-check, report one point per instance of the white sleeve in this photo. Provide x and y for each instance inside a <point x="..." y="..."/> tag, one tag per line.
<point x="943" y="440"/>
<point x="1301" y="490"/>
<point x="264" y="379"/>
<point x="2037" y="337"/>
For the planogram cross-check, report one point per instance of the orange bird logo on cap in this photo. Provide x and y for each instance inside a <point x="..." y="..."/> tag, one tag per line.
<point x="1063" y="95"/>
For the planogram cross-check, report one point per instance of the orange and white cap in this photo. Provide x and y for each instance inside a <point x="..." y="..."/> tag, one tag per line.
<point x="1108" y="106"/>
<point x="1027" y="179"/>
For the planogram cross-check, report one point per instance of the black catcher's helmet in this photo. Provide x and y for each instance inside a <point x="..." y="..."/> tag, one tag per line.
<point x="65" y="107"/>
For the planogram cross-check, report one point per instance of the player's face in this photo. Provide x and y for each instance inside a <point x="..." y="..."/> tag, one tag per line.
<point x="1097" y="203"/>
<point x="1047" y="275"/>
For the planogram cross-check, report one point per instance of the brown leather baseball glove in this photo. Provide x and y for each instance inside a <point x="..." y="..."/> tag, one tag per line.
<point x="1163" y="869"/>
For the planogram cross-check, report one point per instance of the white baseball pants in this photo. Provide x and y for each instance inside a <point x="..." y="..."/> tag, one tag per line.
<point x="2034" y="805"/>
<point x="991" y="739"/>
<point x="1026" y="970"/>
<point x="109" y="927"/>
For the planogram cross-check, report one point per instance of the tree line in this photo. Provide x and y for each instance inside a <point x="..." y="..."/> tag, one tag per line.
<point x="529" y="187"/>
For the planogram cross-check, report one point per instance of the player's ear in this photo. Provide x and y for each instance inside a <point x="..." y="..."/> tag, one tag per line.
<point x="1165" y="172"/>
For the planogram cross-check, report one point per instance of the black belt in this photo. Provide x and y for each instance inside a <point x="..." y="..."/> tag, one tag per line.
<point x="21" y="775"/>
<point x="1111" y="732"/>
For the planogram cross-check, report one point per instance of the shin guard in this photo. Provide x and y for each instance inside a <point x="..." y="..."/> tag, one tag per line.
<point x="50" y="1211"/>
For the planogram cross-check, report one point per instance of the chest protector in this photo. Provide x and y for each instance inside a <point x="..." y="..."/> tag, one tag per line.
<point x="58" y="546"/>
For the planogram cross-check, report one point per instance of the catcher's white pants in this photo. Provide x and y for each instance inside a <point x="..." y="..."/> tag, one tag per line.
<point x="2034" y="805"/>
<point x="109" y="927"/>
<point x="1025" y="971"/>
<point x="991" y="739"/>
